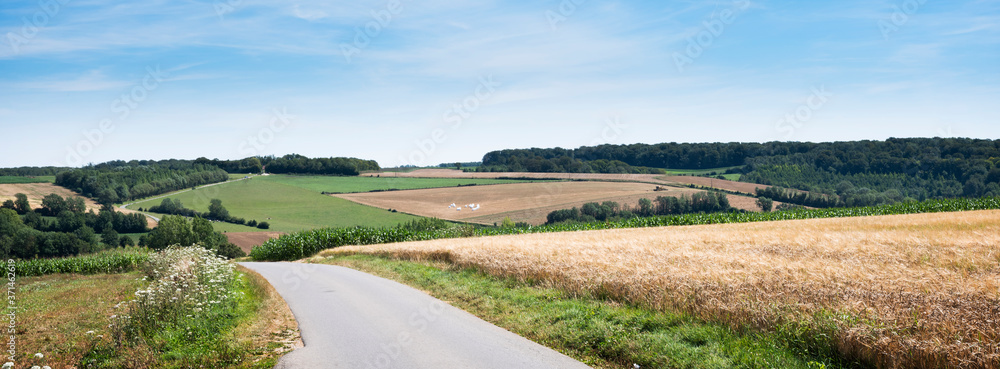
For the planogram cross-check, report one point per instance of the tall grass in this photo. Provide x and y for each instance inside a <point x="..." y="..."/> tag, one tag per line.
<point x="307" y="243"/>
<point x="180" y="318"/>
<point x="105" y="262"/>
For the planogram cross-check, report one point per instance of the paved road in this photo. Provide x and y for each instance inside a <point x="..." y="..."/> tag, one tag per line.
<point x="351" y="319"/>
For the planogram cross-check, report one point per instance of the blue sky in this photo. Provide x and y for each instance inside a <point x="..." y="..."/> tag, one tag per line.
<point x="426" y="82"/>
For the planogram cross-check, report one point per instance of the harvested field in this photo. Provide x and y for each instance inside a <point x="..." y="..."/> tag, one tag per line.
<point x="906" y="291"/>
<point x="523" y="202"/>
<point x="248" y="240"/>
<point x="744" y="187"/>
<point x="36" y="191"/>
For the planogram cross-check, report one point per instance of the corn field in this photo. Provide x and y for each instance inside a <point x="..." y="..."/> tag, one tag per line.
<point x="112" y="261"/>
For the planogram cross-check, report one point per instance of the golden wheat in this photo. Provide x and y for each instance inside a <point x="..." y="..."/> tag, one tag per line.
<point x="902" y="291"/>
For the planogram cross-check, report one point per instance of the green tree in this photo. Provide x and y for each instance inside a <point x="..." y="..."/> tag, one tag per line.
<point x="9" y="204"/>
<point x="126" y="241"/>
<point x="10" y="222"/>
<point x="765" y="204"/>
<point x="263" y="225"/>
<point x="21" y="205"/>
<point x="76" y="204"/>
<point x="172" y="230"/>
<point x="54" y="204"/>
<point x="217" y="211"/>
<point x="645" y="207"/>
<point x="109" y="237"/>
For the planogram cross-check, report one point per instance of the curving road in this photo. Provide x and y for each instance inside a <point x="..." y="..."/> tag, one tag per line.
<point x="351" y="319"/>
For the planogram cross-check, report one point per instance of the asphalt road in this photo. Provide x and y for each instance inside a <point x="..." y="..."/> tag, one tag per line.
<point x="351" y="319"/>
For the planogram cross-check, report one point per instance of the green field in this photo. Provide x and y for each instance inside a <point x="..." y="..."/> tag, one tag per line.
<point x="290" y="208"/>
<point x="13" y="179"/>
<point x="366" y="184"/>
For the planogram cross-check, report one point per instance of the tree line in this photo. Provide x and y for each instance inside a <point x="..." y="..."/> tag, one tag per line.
<point x="215" y="212"/>
<point x="178" y="230"/>
<point x="115" y="182"/>
<point x="859" y="172"/>
<point x="298" y="164"/>
<point x="701" y="202"/>
<point x="26" y="233"/>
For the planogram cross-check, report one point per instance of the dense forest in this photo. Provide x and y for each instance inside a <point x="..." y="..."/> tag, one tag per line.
<point x="859" y="172"/>
<point x="298" y="164"/>
<point x="69" y="230"/>
<point x="120" y="181"/>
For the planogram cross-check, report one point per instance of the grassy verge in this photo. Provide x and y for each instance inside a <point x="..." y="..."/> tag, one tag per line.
<point x="598" y="332"/>
<point x="55" y="312"/>
<point x="65" y="317"/>
<point x="196" y="311"/>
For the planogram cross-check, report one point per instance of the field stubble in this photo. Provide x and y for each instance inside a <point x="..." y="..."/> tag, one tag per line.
<point x="918" y="290"/>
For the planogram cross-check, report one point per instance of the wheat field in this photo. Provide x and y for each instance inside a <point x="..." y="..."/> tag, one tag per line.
<point x="902" y="291"/>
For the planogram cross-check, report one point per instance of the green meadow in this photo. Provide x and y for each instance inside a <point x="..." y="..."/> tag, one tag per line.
<point x="295" y="203"/>
<point x="285" y="207"/>
<point x="16" y="179"/>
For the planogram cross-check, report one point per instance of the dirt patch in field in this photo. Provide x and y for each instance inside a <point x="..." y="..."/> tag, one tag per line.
<point x="522" y="202"/>
<point x="36" y="191"/>
<point x="749" y="188"/>
<point x="248" y="240"/>
<point x="722" y="184"/>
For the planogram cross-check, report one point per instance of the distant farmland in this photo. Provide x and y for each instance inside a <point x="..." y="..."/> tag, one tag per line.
<point x="388" y="182"/>
<point x="527" y="202"/>
<point x="15" y="179"/>
<point x="294" y="203"/>
<point x="670" y="179"/>
<point x="904" y="291"/>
